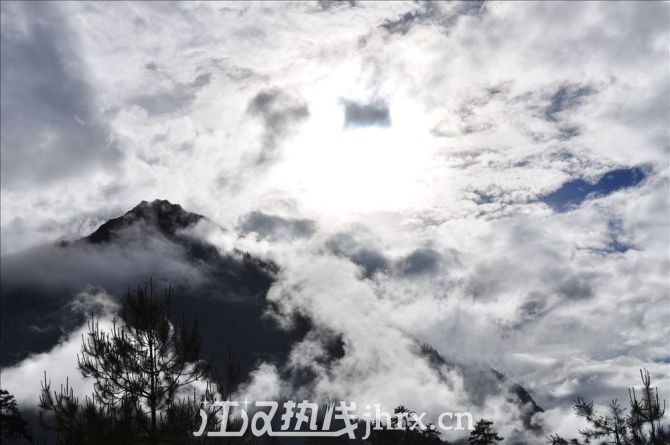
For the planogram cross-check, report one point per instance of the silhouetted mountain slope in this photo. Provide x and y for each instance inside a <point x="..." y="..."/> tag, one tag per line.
<point x="160" y="215"/>
<point x="483" y="382"/>
<point x="225" y="291"/>
<point x="42" y="299"/>
<point x="238" y="274"/>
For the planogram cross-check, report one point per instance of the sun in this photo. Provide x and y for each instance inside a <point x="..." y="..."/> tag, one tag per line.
<point x="340" y="170"/>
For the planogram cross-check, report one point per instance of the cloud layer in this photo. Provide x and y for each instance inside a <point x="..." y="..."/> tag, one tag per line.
<point x="399" y="162"/>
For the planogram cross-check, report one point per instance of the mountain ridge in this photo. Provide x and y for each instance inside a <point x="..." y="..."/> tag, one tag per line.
<point x="159" y="214"/>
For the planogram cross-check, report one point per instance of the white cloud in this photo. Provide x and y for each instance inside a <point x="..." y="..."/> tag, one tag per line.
<point x="470" y="149"/>
<point x="60" y="363"/>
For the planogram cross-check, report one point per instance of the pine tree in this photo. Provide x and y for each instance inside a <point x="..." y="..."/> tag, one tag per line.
<point x="613" y="425"/>
<point x="12" y="424"/>
<point x="484" y="433"/>
<point x="140" y="370"/>
<point x="642" y="425"/>
<point x="402" y="430"/>
<point x="646" y="412"/>
<point x="145" y="359"/>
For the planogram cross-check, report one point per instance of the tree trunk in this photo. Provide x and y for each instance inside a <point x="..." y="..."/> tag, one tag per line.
<point x="152" y="392"/>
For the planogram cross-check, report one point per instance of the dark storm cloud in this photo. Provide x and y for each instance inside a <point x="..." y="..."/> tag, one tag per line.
<point x="402" y="24"/>
<point x="569" y="132"/>
<point x="424" y="260"/>
<point x="326" y="5"/>
<point x="366" y="115"/>
<point x="576" y="287"/>
<point x="367" y="257"/>
<point x="372" y="260"/>
<point x="431" y="13"/>
<point x="566" y="97"/>
<point x="278" y="111"/>
<point x="275" y="227"/>
<point x="180" y="96"/>
<point x="486" y="197"/>
<point x="51" y="127"/>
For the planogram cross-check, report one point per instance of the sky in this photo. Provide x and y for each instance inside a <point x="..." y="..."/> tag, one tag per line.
<point x="490" y="178"/>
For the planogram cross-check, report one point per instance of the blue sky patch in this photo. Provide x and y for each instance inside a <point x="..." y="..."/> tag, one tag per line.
<point x="572" y="193"/>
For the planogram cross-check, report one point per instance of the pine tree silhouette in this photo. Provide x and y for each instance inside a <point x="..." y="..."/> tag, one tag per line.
<point x="140" y="369"/>
<point x="641" y="426"/>
<point x="484" y="433"/>
<point x="12" y="424"/>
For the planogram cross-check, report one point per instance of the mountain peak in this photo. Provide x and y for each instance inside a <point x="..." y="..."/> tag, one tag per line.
<point x="160" y="215"/>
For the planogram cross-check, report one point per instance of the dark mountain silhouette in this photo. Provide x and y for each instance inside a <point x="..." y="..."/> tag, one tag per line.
<point x="161" y="215"/>
<point x="225" y="291"/>
<point x="238" y="276"/>
<point x="481" y="382"/>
